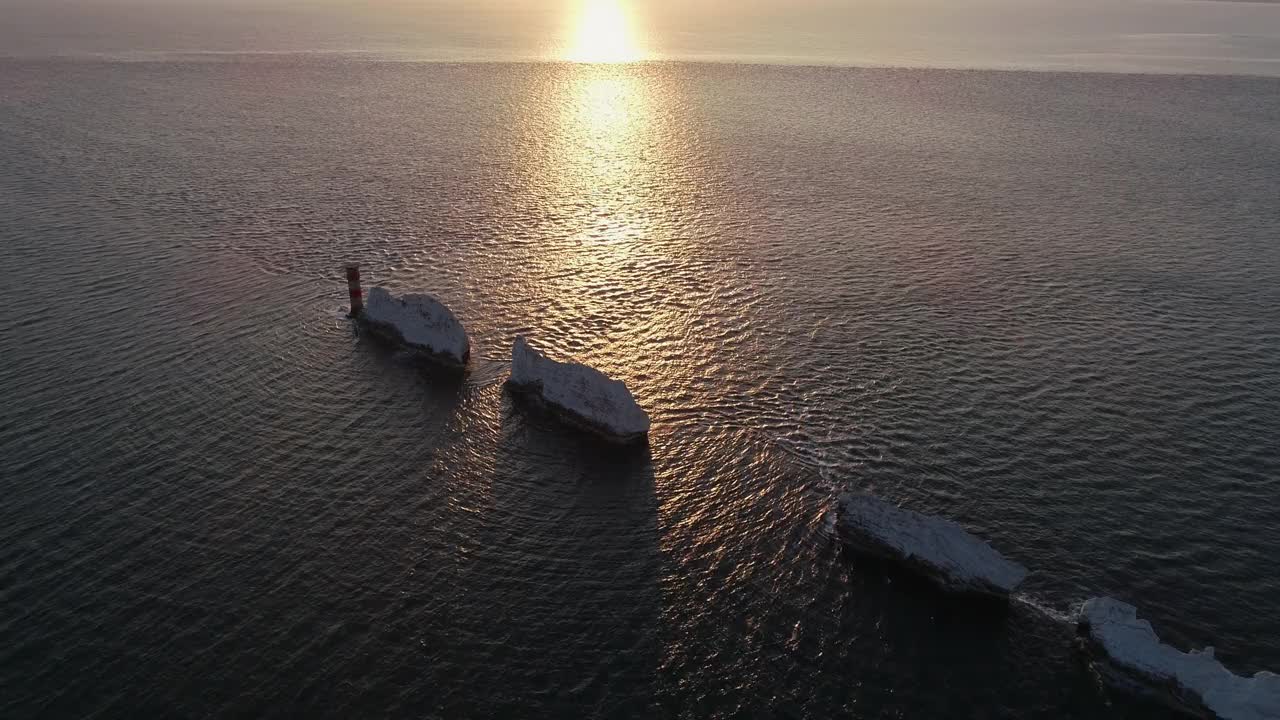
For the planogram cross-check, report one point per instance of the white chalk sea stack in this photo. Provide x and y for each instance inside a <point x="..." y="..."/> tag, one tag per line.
<point x="578" y="394"/>
<point x="419" y="323"/>
<point x="1131" y="656"/>
<point x="934" y="547"/>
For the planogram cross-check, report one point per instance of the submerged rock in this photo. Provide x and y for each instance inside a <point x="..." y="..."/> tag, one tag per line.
<point x="936" y="548"/>
<point x="419" y="323"/>
<point x="1132" y="657"/>
<point x="580" y="395"/>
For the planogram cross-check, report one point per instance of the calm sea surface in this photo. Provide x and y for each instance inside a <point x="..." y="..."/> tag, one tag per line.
<point x="1045" y="305"/>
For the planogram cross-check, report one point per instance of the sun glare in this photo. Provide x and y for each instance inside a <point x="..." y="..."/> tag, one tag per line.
<point x="603" y="34"/>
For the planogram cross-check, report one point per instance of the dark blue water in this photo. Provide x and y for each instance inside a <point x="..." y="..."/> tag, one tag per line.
<point x="1044" y="305"/>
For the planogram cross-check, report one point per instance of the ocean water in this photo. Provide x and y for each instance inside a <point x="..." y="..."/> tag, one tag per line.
<point x="1042" y="304"/>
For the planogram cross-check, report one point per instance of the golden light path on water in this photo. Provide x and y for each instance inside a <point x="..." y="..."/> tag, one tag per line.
<point x="608" y="161"/>
<point x="605" y="149"/>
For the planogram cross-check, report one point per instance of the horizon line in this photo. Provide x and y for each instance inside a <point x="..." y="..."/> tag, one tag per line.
<point x="779" y="61"/>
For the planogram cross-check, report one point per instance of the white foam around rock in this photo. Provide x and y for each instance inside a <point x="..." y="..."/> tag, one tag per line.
<point x="420" y="322"/>
<point x="940" y="548"/>
<point x="587" y="395"/>
<point x="1132" y="643"/>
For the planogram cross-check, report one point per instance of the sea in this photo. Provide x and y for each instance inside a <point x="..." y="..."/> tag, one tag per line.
<point x="1043" y="304"/>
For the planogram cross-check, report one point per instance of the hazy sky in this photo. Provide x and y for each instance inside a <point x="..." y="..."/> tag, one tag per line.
<point x="1143" y="35"/>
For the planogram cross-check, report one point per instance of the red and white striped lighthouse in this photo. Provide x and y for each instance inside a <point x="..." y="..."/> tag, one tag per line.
<point x="353" y="286"/>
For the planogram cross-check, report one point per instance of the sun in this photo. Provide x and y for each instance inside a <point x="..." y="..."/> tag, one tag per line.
<point x="603" y="34"/>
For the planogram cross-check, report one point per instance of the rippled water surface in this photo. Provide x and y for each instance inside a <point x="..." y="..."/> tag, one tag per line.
<point x="1044" y="305"/>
